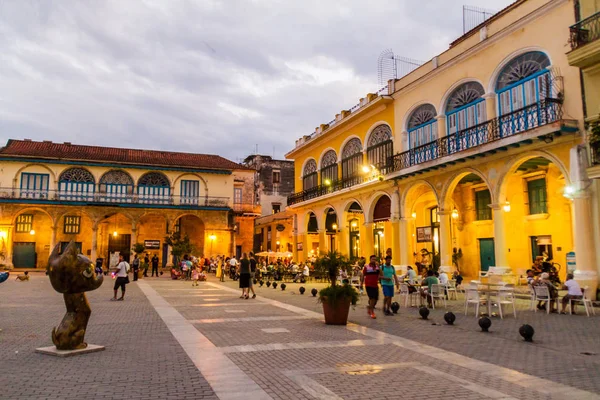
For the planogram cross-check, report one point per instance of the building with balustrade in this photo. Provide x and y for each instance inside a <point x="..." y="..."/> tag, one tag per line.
<point x="468" y="160"/>
<point x="107" y="199"/>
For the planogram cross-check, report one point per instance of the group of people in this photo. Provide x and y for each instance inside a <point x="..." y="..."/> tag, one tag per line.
<point x="574" y="291"/>
<point x="144" y="264"/>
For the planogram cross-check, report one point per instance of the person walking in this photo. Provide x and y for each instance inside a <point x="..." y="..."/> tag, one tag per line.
<point x="146" y="265"/>
<point x="136" y="267"/>
<point x="122" y="269"/>
<point x="370" y="280"/>
<point x="244" y="276"/>
<point x="155" y="265"/>
<point x="388" y="279"/>
<point x="233" y="265"/>
<point x="252" y="274"/>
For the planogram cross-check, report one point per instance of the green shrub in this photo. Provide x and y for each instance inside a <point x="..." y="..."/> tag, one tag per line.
<point x="333" y="294"/>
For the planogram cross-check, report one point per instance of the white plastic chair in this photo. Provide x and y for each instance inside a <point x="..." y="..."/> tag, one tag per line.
<point x="437" y="293"/>
<point x="472" y="297"/>
<point x="408" y="297"/>
<point x="506" y="296"/>
<point x="587" y="302"/>
<point x="533" y="298"/>
<point x="542" y="294"/>
<point x="451" y="289"/>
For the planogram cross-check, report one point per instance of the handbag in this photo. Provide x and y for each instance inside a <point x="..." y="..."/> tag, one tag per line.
<point x="127" y="279"/>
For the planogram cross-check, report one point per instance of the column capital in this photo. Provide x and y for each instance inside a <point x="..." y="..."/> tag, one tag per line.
<point x="490" y="95"/>
<point x="440" y="117"/>
<point x="496" y="206"/>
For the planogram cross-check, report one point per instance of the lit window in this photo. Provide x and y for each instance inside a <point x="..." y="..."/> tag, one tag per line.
<point x="72" y="224"/>
<point x="24" y="223"/>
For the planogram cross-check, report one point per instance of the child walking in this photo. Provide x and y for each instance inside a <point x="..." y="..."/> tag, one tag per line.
<point x="195" y="275"/>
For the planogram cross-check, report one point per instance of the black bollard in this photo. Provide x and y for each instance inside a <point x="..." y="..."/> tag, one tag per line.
<point x="527" y="332"/>
<point x="449" y="317"/>
<point x="485" y="323"/>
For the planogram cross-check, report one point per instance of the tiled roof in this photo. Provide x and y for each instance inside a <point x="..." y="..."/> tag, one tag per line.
<point x="96" y="154"/>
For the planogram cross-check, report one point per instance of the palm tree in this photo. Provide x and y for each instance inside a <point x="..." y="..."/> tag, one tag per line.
<point x="330" y="263"/>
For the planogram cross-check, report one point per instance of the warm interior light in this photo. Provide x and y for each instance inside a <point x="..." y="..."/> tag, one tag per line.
<point x="278" y="242"/>
<point x="327" y="182"/>
<point x="3" y="234"/>
<point x="380" y="233"/>
<point x="366" y="169"/>
<point x="414" y="215"/>
<point x="212" y="237"/>
<point x="115" y="234"/>
<point x="354" y="224"/>
<point x="506" y="207"/>
<point x="32" y="232"/>
<point x="454" y="213"/>
<point x="334" y="227"/>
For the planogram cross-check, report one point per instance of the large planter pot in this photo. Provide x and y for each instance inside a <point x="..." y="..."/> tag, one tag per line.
<point x="336" y="314"/>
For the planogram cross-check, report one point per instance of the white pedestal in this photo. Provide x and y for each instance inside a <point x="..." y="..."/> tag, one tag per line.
<point x="53" y="351"/>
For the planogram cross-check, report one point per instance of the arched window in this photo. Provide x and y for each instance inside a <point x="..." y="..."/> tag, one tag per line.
<point x="309" y="175"/>
<point x="352" y="160"/>
<point x="380" y="148"/>
<point x="329" y="168"/>
<point x="524" y="81"/>
<point x="154" y="188"/>
<point x="116" y="186"/>
<point x="76" y="184"/>
<point x="465" y="107"/>
<point x="422" y="133"/>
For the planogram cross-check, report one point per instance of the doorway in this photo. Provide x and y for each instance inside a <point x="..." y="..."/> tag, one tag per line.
<point x="120" y="243"/>
<point x="487" y="255"/>
<point x="24" y="255"/>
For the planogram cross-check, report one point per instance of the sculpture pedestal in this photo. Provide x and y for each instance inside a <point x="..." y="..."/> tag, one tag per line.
<point x="53" y="351"/>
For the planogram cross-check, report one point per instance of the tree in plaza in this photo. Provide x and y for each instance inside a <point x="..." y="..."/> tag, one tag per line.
<point x="179" y="245"/>
<point x="336" y="299"/>
<point x="138" y="248"/>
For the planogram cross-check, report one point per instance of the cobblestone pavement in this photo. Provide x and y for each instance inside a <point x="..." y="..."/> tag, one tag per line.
<point x="169" y="340"/>
<point x="141" y="360"/>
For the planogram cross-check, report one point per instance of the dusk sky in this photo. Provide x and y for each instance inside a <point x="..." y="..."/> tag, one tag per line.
<point x="203" y="76"/>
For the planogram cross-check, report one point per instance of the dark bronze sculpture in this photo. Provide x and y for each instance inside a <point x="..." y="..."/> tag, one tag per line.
<point x="72" y="275"/>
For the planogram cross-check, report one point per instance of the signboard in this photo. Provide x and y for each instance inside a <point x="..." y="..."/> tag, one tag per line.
<point x="152" y="244"/>
<point x="424" y="234"/>
<point x="571" y="264"/>
<point x="299" y="246"/>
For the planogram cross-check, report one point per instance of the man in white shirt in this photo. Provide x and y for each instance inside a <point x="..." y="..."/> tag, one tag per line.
<point x="411" y="274"/>
<point x="233" y="264"/>
<point x="122" y="269"/>
<point x="574" y="293"/>
<point x="443" y="278"/>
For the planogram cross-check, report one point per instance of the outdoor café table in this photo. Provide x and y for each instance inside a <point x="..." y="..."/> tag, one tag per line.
<point x="488" y="290"/>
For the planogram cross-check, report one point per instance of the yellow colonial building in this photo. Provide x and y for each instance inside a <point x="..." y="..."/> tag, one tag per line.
<point x="471" y="159"/>
<point x="107" y="199"/>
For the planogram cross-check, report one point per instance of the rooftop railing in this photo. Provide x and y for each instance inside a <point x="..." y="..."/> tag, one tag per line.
<point x="99" y="198"/>
<point x="585" y="31"/>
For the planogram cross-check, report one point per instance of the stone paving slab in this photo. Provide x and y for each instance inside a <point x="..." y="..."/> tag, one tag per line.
<point x="141" y="360"/>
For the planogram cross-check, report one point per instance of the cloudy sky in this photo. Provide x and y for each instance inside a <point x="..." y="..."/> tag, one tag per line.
<point x="208" y="76"/>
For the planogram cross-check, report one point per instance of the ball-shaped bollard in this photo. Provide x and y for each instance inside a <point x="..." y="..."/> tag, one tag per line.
<point x="268" y="283"/>
<point x="301" y="290"/>
<point x="274" y="285"/>
<point x="314" y="292"/>
<point x="449" y="317"/>
<point x="254" y="281"/>
<point x="424" y="312"/>
<point x="395" y="307"/>
<point x="527" y="332"/>
<point x="485" y="323"/>
<point x="261" y="282"/>
<point x="283" y="286"/>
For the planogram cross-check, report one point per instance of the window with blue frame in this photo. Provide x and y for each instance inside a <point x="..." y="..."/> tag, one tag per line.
<point x="522" y="86"/>
<point x="116" y="186"/>
<point x="154" y="188"/>
<point x="483" y="199"/>
<point x="422" y="133"/>
<point x="76" y="184"/>
<point x="536" y="193"/>
<point x="465" y="107"/>
<point x="190" y="191"/>
<point x="34" y="186"/>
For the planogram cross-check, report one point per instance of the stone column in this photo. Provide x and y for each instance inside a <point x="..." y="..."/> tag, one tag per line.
<point x="322" y="243"/>
<point x="342" y="239"/>
<point x="94" y="253"/>
<point x="7" y="245"/>
<point x="441" y="125"/>
<point x="491" y="111"/>
<point x="500" y="249"/>
<point x="445" y="239"/>
<point x="396" y="245"/>
<point x="367" y="248"/>
<point x="585" y="253"/>
<point x="405" y="238"/>
<point x="274" y="238"/>
<point x="53" y="237"/>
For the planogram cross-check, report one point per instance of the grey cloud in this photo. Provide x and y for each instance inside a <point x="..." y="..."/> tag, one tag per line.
<point x="205" y="76"/>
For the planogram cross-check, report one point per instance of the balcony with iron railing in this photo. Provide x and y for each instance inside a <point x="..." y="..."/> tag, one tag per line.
<point x="246" y="208"/>
<point x="535" y="115"/>
<point x="17" y="195"/>
<point x="585" y="31"/>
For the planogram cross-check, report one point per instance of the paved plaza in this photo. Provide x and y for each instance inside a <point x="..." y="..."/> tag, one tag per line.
<point x="169" y="340"/>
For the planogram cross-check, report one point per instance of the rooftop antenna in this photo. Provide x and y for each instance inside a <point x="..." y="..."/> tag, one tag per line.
<point x="390" y="66"/>
<point x="473" y="16"/>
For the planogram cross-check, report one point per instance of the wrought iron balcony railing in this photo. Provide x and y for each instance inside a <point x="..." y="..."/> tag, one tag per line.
<point x="529" y="117"/>
<point x="57" y="196"/>
<point x="246" y="208"/>
<point x="532" y="116"/>
<point x="585" y="31"/>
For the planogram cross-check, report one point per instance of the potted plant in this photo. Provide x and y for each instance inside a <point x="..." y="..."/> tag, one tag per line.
<point x="594" y="141"/>
<point x="336" y="299"/>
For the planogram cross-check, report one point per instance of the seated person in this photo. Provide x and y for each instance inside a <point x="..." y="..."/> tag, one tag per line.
<point x="175" y="274"/>
<point x="545" y="280"/>
<point x="574" y="293"/>
<point x="457" y="277"/>
<point x="426" y="286"/>
<point x="443" y="278"/>
<point x="530" y="277"/>
<point x="411" y="275"/>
